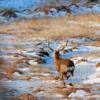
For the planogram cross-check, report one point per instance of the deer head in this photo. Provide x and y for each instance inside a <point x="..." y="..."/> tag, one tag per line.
<point x="56" y="52"/>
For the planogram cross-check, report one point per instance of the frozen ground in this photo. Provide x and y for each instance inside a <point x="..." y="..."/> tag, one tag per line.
<point x="40" y="80"/>
<point x="41" y="8"/>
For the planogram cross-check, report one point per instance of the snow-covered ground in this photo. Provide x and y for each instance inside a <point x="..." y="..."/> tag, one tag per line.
<point x="39" y="78"/>
<point x="50" y="8"/>
<point x="27" y="65"/>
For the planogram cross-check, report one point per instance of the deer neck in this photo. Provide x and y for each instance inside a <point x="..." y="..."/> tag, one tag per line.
<point x="56" y="59"/>
<point x="56" y="62"/>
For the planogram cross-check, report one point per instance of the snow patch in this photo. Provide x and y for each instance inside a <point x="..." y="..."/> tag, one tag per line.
<point x="32" y="62"/>
<point x="16" y="74"/>
<point x="24" y="69"/>
<point x="93" y="78"/>
<point x="78" y="93"/>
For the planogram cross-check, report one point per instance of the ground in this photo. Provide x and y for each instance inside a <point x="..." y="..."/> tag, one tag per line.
<point x="27" y="69"/>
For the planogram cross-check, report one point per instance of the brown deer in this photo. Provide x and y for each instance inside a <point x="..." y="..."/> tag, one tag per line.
<point x="63" y="65"/>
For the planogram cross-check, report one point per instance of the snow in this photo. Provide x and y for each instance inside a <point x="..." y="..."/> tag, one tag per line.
<point x="83" y="73"/>
<point x="97" y="96"/>
<point x="9" y="51"/>
<point x="58" y="95"/>
<point x="46" y="74"/>
<point x="6" y="36"/>
<point x="93" y="78"/>
<point x="16" y="74"/>
<point x="32" y="62"/>
<point x="92" y="81"/>
<point x="24" y="69"/>
<point x="19" y="31"/>
<point x="78" y="93"/>
<point x="19" y="4"/>
<point x="30" y="54"/>
<point x="31" y="5"/>
<point x="55" y="13"/>
<point x="96" y="91"/>
<point x="81" y="40"/>
<point x="35" y="78"/>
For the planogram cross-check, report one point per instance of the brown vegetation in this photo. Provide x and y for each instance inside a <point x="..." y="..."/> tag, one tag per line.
<point x="11" y="70"/>
<point x="82" y="60"/>
<point x="2" y="62"/>
<point x="25" y="96"/>
<point x="98" y="65"/>
<point x="56" y="27"/>
<point x="51" y="78"/>
<point x="8" y="13"/>
<point x="47" y="9"/>
<point x="3" y="92"/>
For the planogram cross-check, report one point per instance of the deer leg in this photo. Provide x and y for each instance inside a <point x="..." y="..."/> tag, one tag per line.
<point x="61" y="77"/>
<point x="64" y="75"/>
<point x="71" y="74"/>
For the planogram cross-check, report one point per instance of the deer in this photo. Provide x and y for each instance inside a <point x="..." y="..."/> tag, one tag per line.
<point x="63" y="65"/>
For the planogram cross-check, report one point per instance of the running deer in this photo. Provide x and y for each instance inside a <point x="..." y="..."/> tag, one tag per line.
<point x="63" y="65"/>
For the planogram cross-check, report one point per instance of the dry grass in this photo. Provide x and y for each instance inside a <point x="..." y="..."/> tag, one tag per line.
<point x="2" y="61"/>
<point x="98" y="65"/>
<point x="56" y="27"/>
<point x="97" y="44"/>
<point x="50" y="78"/>
<point x="92" y="55"/>
<point x="8" y="13"/>
<point x="25" y="96"/>
<point x="67" y="91"/>
<point x="11" y="70"/>
<point x="38" y="67"/>
<point x="8" y="67"/>
<point x="82" y="60"/>
<point x="46" y="9"/>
